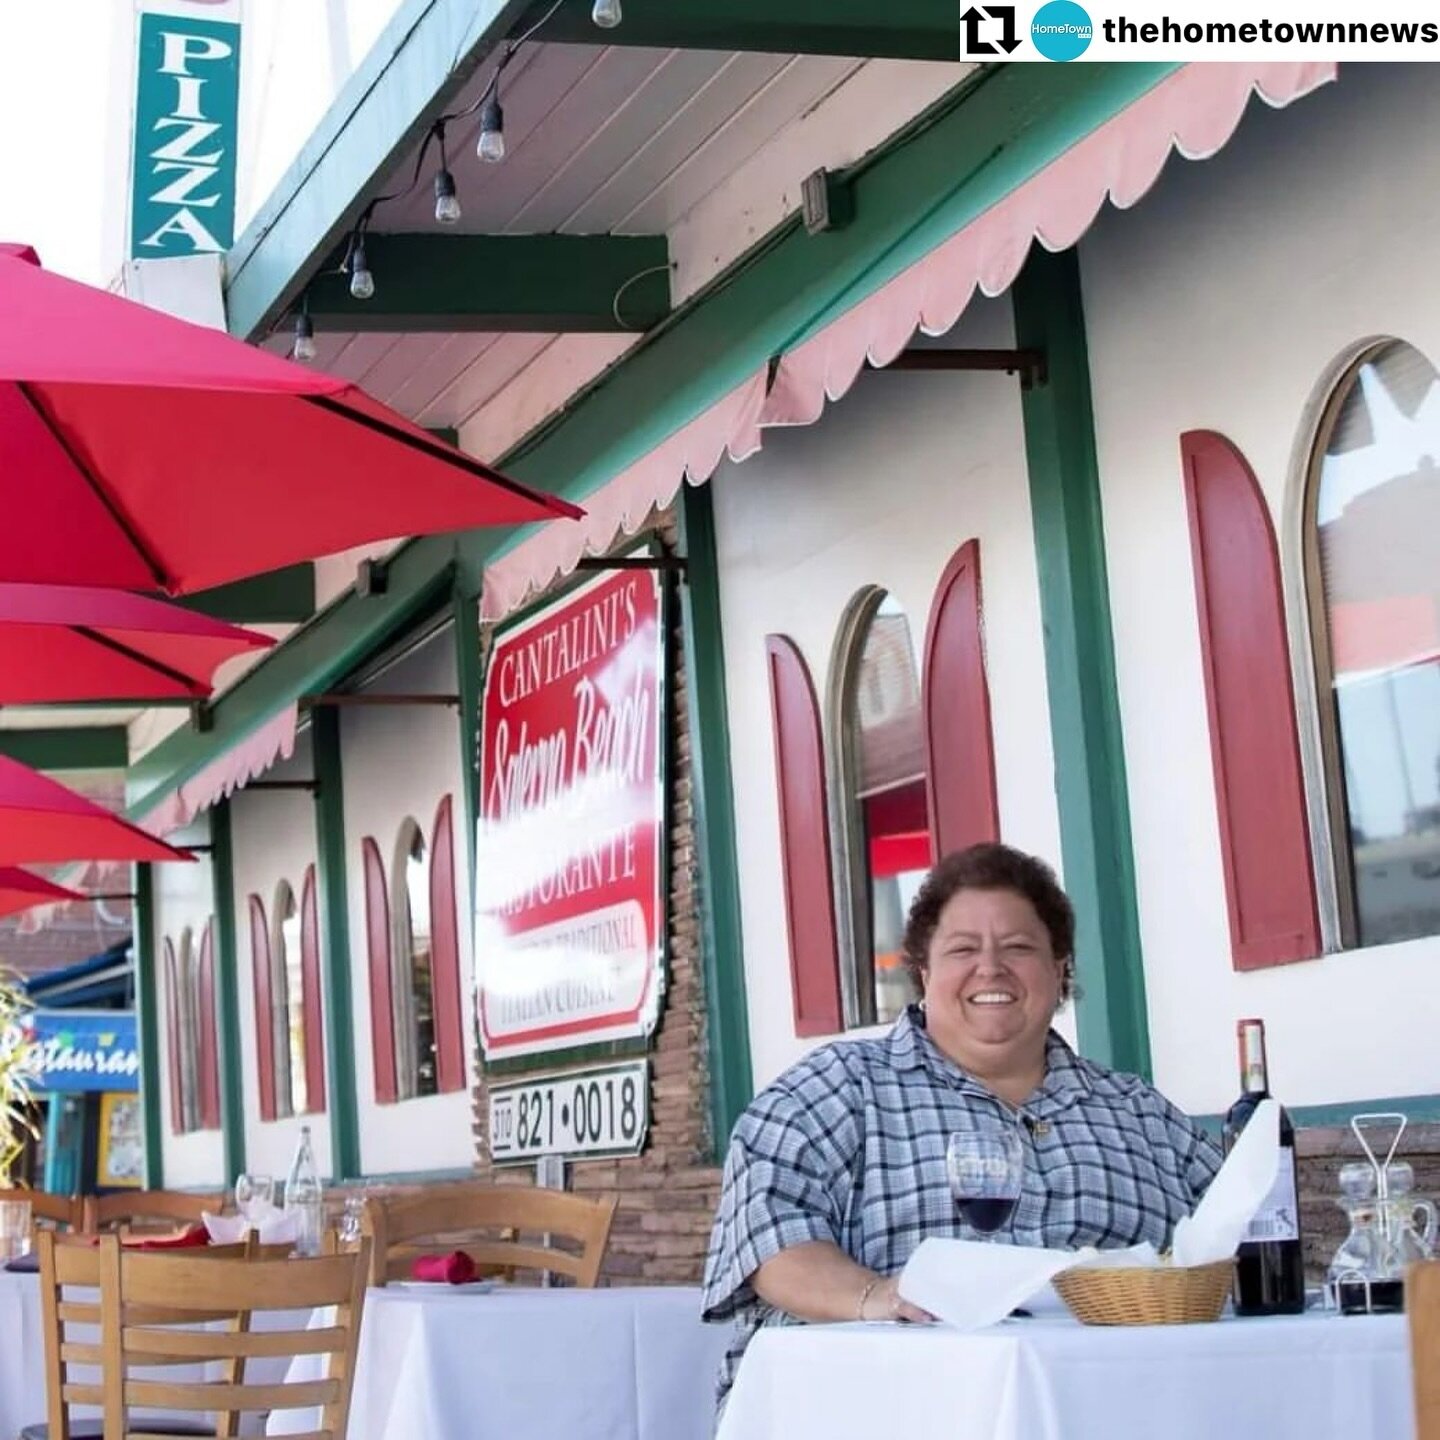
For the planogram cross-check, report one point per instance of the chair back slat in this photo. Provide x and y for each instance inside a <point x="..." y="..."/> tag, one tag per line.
<point x="57" y="1212"/>
<point x="147" y="1210"/>
<point x="503" y="1228"/>
<point x="152" y="1303"/>
<point x="1422" y="1305"/>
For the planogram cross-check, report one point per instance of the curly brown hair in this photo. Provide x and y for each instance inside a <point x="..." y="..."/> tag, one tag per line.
<point x="992" y="867"/>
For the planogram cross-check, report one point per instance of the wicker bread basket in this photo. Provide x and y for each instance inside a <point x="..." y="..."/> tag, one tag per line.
<point x="1157" y="1295"/>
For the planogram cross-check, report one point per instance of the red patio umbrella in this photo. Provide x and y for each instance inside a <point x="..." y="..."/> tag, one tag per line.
<point x="68" y="643"/>
<point x="145" y="453"/>
<point x="40" y="820"/>
<point x="20" y="890"/>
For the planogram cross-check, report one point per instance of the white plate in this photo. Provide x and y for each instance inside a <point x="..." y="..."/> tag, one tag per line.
<point x="441" y="1285"/>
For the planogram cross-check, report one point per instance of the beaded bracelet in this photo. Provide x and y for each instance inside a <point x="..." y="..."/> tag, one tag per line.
<point x="865" y="1295"/>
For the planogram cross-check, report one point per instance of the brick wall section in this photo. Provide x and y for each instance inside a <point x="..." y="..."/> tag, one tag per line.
<point x="1321" y="1152"/>
<point x="667" y="1194"/>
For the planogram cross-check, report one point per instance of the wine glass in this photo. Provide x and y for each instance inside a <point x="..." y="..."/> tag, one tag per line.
<point x="985" y="1165"/>
<point x="254" y="1195"/>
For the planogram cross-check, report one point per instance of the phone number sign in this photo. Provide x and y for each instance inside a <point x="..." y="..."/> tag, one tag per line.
<point x="588" y="1112"/>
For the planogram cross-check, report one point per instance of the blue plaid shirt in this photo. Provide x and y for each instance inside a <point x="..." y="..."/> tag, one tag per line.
<point x="848" y="1146"/>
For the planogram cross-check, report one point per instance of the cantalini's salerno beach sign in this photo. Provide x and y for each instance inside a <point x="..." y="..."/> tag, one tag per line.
<point x="569" y="907"/>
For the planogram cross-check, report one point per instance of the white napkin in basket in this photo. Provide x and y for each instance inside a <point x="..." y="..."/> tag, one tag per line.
<point x="276" y="1227"/>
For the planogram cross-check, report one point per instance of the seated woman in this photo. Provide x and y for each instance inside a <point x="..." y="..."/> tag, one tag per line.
<point x="836" y="1172"/>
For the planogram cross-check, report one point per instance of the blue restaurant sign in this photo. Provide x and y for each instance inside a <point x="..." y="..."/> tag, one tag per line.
<point x="84" y="1049"/>
<point x="187" y="104"/>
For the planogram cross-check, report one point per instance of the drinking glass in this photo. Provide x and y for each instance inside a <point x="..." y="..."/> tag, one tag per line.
<point x="985" y="1164"/>
<point x="14" y="1229"/>
<point x="254" y="1196"/>
<point x="350" y="1222"/>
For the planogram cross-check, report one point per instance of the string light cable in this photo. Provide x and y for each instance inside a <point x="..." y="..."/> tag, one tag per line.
<point x="667" y="268"/>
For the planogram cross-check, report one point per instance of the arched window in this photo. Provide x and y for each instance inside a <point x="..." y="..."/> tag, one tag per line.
<point x="878" y="778"/>
<point x="288" y="988"/>
<point x="412" y="955"/>
<point x="1372" y="542"/>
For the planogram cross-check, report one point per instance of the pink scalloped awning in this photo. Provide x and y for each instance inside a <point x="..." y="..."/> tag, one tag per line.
<point x="237" y="767"/>
<point x="1193" y="113"/>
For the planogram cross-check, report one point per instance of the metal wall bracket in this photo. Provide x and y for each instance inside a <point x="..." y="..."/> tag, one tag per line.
<point x="1029" y="365"/>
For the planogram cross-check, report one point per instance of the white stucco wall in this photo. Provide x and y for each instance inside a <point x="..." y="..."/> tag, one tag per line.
<point x="273" y="837"/>
<point x="184" y="897"/>
<point x="1224" y="301"/>
<point x="882" y="491"/>
<point x="400" y="761"/>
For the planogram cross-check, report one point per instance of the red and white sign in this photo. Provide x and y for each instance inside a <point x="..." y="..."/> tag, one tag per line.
<point x="570" y="917"/>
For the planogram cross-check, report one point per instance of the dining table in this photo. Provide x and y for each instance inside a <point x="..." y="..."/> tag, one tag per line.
<point x="488" y="1361"/>
<point x="1316" y="1376"/>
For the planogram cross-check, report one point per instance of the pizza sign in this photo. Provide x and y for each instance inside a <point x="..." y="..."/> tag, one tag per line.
<point x="569" y="921"/>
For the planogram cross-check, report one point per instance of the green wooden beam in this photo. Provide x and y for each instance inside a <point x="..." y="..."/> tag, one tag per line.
<point x="900" y="29"/>
<point x="227" y="992"/>
<point x="283" y="597"/>
<point x="968" y="153"/>
<point x="712" y="798"/>
<point x="424" y="282"/>
<point x="1089" y="745"/>
<point x="147" y="1026"/>
<point x="100" y="747"/>
<point x="422" y="61"/>
<point x="334" y="906"/>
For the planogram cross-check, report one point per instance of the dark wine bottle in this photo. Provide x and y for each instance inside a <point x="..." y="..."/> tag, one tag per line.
<point x="1270" y="1264"/>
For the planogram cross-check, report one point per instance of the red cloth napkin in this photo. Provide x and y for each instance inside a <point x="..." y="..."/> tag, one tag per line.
<point x="188" y="1239"/>
<point x="456" y="1268"/>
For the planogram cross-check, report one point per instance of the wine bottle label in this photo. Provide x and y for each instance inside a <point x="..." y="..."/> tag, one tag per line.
<point x="1279" y="1217"/>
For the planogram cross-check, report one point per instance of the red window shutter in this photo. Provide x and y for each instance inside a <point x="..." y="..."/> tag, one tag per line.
<point x="382" y="1001"/>
<point x="264" y="1006"/>
<point x="959" y="750"/>
<point x="209" y="1049"/>
<point x="804" y="841"/>
<point x="172" y="1039"/>
<point x="1259" y="787"/>
<point x="314" y="1008"/>
<point x="445" y="955"/>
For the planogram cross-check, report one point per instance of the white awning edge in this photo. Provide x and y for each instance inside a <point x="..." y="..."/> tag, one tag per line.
<point x="1193" y="112"/>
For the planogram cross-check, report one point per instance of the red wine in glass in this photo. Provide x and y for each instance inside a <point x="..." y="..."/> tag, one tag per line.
<point x="986" y="1169"/>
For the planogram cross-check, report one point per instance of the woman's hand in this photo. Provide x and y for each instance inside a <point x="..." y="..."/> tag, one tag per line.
<point x="885" y="1303"/>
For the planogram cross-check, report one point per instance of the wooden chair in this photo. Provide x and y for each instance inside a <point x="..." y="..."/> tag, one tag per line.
<point x="151" y="1304"/>
<point x="142" y="1210"/>
<point x="504" y="1229"/>
<point x="1422" y="1305"/>
<point x="71" y="1264"/>
<point x="56" y="1212"/>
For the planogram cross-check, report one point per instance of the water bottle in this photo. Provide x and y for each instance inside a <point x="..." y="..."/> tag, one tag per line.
<point x="302" y="1196"/>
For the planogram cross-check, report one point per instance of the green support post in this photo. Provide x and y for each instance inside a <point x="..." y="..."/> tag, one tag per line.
<point x="1085" y="723"/>
<point x="147" y="1025"/>
<point x="334" y="903"/>
<point x="711" y="789"/>
<point x="227" y="992"/>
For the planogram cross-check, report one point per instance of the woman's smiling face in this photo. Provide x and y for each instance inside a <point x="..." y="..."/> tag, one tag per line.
<point x="992" y="980"/>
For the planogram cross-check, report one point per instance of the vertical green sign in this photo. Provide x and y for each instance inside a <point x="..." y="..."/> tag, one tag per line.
<point x="187" y="103"/>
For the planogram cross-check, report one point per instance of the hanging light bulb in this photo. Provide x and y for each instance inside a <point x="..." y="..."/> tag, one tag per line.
<point x="303" y="349"/>
<point x="362" y="282"/>
<point x="492" y="132"/>
<point x="606" y="14"/>
<point x="447" y="206"/>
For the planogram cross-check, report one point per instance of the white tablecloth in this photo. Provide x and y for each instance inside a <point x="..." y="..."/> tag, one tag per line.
<point x="530" y="1364"/>
<point x="1310" y="1377"/>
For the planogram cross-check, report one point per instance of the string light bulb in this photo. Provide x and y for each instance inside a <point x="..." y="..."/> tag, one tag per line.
<point x="447" y="204"/>
<point x="491" y="148"/>
<point x="606" y="14"/>
<point x="362" y="282"/>
<point x="303" y="349"/>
